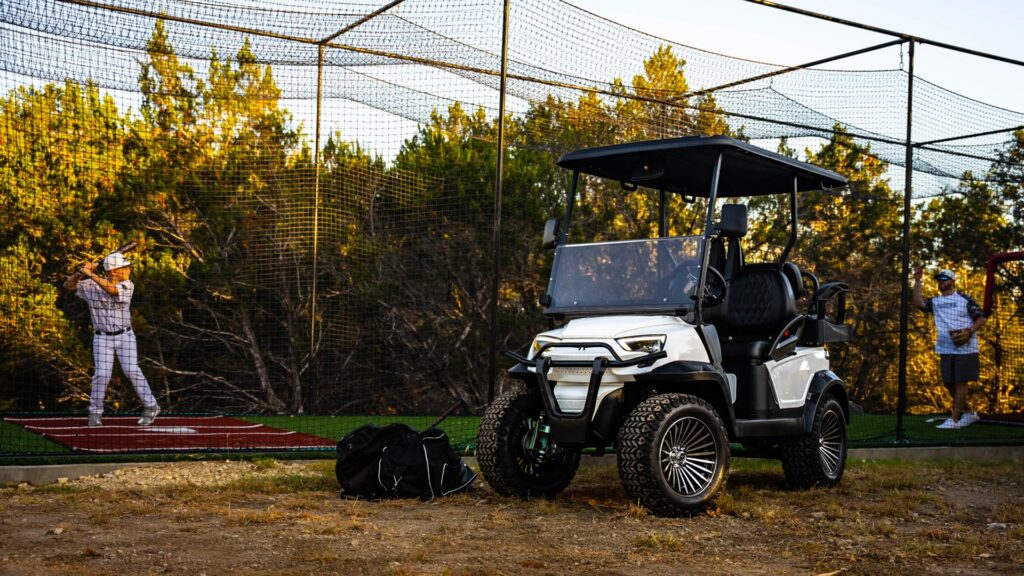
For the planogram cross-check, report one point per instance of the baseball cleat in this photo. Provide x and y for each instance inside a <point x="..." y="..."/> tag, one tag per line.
<point x="149" y="415"/>
<point x="969" y="418"/>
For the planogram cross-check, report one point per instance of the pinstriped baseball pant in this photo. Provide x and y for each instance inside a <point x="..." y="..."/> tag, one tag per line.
<point x="104" y="348"/>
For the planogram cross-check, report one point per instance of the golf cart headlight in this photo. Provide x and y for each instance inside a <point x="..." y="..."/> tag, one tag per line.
<point x="540" y="341"/>
<point x="647" y="344"/>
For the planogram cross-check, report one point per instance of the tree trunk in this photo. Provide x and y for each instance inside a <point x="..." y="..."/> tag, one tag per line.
<point x="261" y="366"/>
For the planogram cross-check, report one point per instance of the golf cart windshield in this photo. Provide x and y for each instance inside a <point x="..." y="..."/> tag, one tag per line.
<point x="651" y="275"/>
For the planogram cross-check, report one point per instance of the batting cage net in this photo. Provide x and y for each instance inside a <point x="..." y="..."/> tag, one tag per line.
<point x="311" y="189"/>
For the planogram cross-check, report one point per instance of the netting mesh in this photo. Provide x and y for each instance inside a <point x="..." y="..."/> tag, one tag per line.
<point x="315" y="218"/>
<point x="1003" y="360"/>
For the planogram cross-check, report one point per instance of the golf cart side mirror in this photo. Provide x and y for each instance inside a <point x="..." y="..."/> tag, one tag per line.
<point x="551" y="229"/>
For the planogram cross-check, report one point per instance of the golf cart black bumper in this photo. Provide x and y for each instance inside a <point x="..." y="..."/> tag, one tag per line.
<point x="571" y="427"/>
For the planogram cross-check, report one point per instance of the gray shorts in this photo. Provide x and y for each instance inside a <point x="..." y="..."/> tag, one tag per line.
<point x="959" y="368"/>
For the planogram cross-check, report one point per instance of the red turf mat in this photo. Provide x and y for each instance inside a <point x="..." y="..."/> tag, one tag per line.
<point x="122" y="434"/>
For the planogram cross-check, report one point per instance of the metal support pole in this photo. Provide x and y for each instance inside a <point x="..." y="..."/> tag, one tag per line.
<point x="496" y="242"/>
<point x="316" y="218"/>
<point x="705" y="252"/>
<point x="902" y="35"/>
<point x="901" y="407"/>
<point x="662" y="214"/>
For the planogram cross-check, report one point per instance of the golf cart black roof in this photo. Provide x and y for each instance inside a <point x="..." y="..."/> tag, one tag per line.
<point x="685" y="165"/>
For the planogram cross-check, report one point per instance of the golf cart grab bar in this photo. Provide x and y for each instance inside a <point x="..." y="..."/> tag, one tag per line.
<point x="573" y="427"/>
<point x="827" y="292"/>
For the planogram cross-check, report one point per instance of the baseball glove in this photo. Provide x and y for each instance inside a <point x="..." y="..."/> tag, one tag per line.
<point x="961" y="336"/>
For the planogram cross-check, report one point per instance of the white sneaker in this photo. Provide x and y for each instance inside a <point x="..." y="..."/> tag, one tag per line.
<point x="148" y="415"/>
<point x="94" y="419"/>
<point x="950" y="424"/>
<point x="968" y="418"/>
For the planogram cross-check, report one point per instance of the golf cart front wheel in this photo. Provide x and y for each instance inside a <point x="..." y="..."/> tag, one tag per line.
<point x="818" y="458"/>
<point x="673" y="454"/>
<point x="515" y="455"/>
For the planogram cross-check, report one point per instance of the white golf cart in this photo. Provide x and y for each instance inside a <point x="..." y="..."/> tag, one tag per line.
<point x="671" y="348"/>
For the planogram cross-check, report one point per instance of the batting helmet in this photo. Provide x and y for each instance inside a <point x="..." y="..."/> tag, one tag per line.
<point x="114" y="261"/>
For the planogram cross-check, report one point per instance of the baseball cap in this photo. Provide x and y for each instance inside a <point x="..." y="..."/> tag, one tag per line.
<point x="945" y="275"/>
<point x="114" y="261"/>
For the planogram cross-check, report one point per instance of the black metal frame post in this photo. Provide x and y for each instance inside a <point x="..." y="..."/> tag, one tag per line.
<point x="901" y="407"/>
<point x="902" y="35"/>
<point x="492" y="369"/>
<point x="316" y="221"/>
<point x="705" y="253"/>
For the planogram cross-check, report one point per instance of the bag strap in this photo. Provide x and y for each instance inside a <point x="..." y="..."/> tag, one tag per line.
<point x="446" y="414"/>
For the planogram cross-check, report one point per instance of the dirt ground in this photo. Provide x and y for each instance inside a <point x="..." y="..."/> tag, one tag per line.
<point x="269" y="517"/>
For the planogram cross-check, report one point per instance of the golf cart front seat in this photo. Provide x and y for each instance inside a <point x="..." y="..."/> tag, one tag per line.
<point x="758" y="319"/>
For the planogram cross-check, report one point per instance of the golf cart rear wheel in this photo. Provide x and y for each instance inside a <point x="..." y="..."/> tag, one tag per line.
<point x="673" y="454"/>
<point x="818" y="458"/>
<point x="514" y="455"/>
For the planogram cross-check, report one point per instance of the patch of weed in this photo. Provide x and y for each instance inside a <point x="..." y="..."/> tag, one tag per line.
<point x="244" y="516"/>
<point x="658" y="541"/>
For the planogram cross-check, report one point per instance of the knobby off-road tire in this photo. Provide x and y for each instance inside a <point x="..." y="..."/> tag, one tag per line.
<point x="818" y="458"/>
<point x="508" y="466"/>
<point x="673" y="454"/>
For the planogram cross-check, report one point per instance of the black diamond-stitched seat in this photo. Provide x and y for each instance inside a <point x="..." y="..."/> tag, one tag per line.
<point x="759" y="303"/>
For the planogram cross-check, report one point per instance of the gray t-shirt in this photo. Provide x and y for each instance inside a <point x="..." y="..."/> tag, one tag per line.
<point x="109" y="313"/>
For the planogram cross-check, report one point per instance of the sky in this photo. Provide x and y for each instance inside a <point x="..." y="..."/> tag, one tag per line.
<point x="748" y="30"/>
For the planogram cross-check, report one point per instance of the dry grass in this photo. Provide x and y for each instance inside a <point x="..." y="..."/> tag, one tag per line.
<point x="884" y="518"/>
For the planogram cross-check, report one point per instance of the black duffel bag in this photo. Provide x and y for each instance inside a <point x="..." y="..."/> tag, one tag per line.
<point x="395" y="461"/>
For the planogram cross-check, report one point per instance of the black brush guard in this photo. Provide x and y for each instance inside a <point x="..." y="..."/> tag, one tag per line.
<point x="569" y="427"/>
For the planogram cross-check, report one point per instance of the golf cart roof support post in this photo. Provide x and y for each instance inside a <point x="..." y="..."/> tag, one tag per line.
<point x="792" y="222"/>
<point x="570" y="199"/>
<point x="662" y="217"/>
<point x="709" y="229"/>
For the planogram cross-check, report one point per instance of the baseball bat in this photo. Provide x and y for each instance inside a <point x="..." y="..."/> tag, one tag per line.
<point x="123" y="249"/>
<point x="126" y="247"/>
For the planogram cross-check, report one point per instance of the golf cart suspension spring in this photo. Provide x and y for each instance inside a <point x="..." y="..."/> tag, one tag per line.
<point x="538" y="442"/>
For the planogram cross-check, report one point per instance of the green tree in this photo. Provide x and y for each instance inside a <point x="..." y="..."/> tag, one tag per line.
<point x="221" y="187"/>
<point x="60" y="155"/>
<point x="436" y="285"/>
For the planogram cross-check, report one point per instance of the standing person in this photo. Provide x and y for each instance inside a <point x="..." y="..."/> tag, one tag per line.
<point x="957" y="321"/>
<point x="109" y="302"/>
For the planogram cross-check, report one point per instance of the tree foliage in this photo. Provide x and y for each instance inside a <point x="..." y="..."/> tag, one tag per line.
<point x="383" y="305"/>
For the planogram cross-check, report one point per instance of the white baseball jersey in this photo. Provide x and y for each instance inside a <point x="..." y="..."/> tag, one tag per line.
<point x="953" y="312"/>
<point x="109" y="313"/>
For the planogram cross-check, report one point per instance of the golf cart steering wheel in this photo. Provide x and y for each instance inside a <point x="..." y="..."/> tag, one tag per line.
<point x="714" y="287"/>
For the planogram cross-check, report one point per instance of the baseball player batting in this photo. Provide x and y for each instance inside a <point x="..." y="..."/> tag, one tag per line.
<point x="109" y="297"/>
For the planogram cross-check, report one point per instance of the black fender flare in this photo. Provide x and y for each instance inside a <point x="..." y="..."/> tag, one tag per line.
<point x="522" y="373"/>
<point x="824" y="383"/>
<point x="689" y="373"/>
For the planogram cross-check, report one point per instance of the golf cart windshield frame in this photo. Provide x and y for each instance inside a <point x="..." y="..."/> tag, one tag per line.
<point x="652" y="275"/>
<point x="690" y="166"/>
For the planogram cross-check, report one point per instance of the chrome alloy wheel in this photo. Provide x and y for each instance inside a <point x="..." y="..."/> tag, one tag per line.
<point x="688" y="456"/>
<point x="830" y="441"/>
